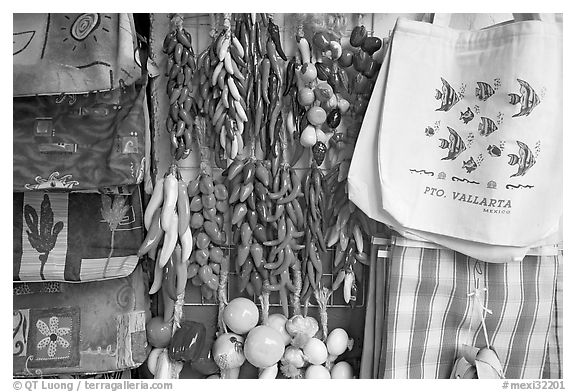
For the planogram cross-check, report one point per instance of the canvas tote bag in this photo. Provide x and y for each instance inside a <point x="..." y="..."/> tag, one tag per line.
<point x="368" y="197"/>
<point x="483" y="109"/>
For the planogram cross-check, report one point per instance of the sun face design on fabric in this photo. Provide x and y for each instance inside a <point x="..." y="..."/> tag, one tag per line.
<point x="54" y="336"/>
<point x="83" y="27"/>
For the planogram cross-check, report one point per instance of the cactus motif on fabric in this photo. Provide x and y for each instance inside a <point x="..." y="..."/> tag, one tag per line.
<point x="43" y="232"/>
<point x="113" y="210"/>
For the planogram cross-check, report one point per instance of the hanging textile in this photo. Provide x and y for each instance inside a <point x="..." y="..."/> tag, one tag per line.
<point x="75" y="236"/>
<point x="73" y="53"/>
<point x="419" y="311"/>
<point x="89" y="328"/>
<point x="451" y="219"/>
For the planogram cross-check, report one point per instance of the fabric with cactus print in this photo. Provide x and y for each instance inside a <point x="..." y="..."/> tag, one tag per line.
<point x="75" y="236"/>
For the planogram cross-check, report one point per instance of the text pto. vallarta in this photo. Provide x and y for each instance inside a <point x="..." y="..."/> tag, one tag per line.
<point x="492" y="206"/>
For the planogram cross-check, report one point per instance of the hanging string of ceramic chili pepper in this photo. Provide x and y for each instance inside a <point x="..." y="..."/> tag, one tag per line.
<point x="180" y="67"/>
<point x="221" y="90"/>
<point x="207" y="206"/>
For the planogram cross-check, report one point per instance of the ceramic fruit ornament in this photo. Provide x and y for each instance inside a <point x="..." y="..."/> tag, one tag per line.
<point x="334" y="117"/>
<point x="342" y="370"/>
<point x="268" y="373"/>
<point x="317" y="372"/>
<point x="343" y="104"/>
<point x="293" y="362"/>
<point x="319" y="152"/>
<point x="308" y="73"/>
<point x="323" y="91"/>
<point x="264" y="346"/>
<point x="316" y="116"/>
<point x="321" y="41"/>
<point x="358" y="36"/>
<point x="306" y="96"/>
<point x="322" y="71"/>
<point x="371" y="45"/>
<point x="228" y="354"/>
<point x="478" y="363"/>
<point x="152" y="359"/>
<point x="315" y="351"/>
<point x="337" y="343"/>
<point x="241" y="315"/>
<point x="335" y="50"/>
<point x="158" y="332"/>
<point x="187" y="342"/>
<point x="308" y="136"/>
<point x="278" y="322"/>
<point x="345" y="59"/>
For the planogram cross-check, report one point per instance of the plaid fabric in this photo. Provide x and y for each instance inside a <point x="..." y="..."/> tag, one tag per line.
<point x="553" y="368"/>
<point x="427" y="314"/>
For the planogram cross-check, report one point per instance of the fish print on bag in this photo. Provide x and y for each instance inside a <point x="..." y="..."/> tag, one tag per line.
<point x="470" y="165"/>
<point x="484" y="91"/>
<point x="525" y="159"/>
<point x="486" y="126"/>
<point x="447" y="96"/>
<point x="454" y="144"/>
<point x="489" y="122"/>
<point x="528" y="99"/>
<point x="467" y="116"/>
<point x="494" y="151"/>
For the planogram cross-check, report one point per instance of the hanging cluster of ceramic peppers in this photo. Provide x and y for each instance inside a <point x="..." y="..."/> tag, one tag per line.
<point x="181" y="65"/>
<point x="259" y="111"/>
<point x="267" y="218"/>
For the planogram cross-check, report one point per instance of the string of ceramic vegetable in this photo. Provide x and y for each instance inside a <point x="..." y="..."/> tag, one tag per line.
<point x="180" y="66"/>
<point x="237" y="86"/>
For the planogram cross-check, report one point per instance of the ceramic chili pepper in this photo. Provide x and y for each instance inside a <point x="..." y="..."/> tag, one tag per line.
<point x="290" y="74"/>
<point x="274" y="32"/>
<point x="271" y="53"/>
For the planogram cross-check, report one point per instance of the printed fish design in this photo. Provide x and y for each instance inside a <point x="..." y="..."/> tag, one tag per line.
<point x="486" y="126"/>
<point x="514" y="98"/>
<point x="447" y="95"/>
<point x="484" y="91"/>
<point x="528" y="99"/>
<point x="455" y="145"/>
<point x="525" y="159"/>
<point x="494" y="151"/>
<point x="429" y="131"/>
<point x="470" y="165"/>
<point x="467" y="116"/>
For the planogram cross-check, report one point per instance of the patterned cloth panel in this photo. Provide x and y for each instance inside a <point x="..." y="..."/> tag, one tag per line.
<point x="88" y="328"/>
<point x="420" y="313"/>
<point x="73" y="53"/>
<point x="80" y="142"/>
<point x="75" y="236"/>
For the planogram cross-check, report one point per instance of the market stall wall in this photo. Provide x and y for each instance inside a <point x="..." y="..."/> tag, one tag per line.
<point x="199" y="26"/>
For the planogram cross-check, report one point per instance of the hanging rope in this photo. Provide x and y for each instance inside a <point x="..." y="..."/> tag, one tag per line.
<point x="477" y="304"/>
